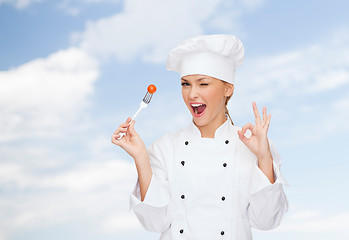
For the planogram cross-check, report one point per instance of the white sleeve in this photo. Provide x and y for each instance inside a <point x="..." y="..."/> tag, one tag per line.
<point x="268" y="202"/>
<point x="154" y="212"/>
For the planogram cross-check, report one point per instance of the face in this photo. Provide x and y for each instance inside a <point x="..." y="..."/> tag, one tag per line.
<point x="205" y="98"/>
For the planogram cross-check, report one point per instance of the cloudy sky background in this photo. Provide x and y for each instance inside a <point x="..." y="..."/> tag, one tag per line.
<point x="71" y="71"/>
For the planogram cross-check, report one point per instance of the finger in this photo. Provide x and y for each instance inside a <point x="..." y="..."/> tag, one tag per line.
<point x="124" y="125"/>
<point x="242" y="137"/>
<point x="267" y="122"/>
<point x="114" y="139"/>
<point x="132" y="128"/>
<point x="247" y="126"/>
<point x="117" y="134"/>
<point x="128" y="120"/>
<point x="121" y="137"/>
<point x="121" y="129"/>
<point x="264" y="114"/>
<point x="256" y="113"/>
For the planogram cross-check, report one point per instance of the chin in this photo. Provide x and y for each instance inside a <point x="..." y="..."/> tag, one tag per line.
<point x="199" y="121"/>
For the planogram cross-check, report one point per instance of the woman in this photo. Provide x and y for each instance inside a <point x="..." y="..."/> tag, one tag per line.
<point x="208" y="180"/>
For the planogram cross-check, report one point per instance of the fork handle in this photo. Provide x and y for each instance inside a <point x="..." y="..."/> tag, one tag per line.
<point x="141" y="106"/>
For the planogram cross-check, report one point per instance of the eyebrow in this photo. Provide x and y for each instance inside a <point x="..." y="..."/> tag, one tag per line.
<point x="196" y="80"/>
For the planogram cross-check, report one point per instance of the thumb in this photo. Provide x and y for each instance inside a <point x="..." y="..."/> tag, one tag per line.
<point x="242" y="137"/>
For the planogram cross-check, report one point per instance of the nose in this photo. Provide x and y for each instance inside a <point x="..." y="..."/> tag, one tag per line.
<point x="193" y="93"/>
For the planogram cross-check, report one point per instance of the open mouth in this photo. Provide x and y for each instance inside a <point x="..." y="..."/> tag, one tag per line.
<point x="198" y="109"/>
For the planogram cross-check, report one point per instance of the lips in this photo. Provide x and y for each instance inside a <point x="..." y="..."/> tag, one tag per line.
<point x="198" y="109"/>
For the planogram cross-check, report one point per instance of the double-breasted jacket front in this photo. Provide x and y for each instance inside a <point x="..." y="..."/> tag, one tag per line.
<point x="208" y="188"/>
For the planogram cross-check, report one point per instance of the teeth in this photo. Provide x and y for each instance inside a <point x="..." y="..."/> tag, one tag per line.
<point x="196" y="105"/>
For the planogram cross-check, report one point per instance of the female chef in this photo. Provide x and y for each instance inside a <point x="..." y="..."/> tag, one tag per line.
<point x="211" y="179"/>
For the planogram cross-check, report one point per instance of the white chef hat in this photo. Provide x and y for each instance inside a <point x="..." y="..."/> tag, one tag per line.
<point x="217" y="56"/>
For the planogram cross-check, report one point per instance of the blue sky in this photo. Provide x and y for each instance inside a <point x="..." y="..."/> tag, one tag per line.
<point x="71" y="71"/>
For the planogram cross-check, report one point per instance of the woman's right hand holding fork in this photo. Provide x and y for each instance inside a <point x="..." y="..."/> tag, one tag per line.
<point x="131" y="142"/>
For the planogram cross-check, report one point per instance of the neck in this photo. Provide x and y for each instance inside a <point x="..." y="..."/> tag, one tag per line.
<point x="209" y="130"/>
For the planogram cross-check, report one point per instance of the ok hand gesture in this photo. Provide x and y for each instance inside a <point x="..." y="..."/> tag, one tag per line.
<point x="258" y="142"/>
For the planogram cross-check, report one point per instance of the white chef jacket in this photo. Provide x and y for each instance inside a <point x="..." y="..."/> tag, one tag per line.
<point x="208" y="188"/>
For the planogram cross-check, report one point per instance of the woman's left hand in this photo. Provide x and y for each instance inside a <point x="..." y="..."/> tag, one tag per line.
<point x="258" y="142"/>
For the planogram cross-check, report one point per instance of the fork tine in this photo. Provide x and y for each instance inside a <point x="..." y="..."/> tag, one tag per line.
<point x="147" y="97"/>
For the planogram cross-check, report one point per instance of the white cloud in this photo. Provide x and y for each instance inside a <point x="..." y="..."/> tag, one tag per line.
<point x="301" y="72"/>
<point x="337" y="116"/>
<point x="72" y="7"/>
<point x="149" y="29"/>
<point x="75" y="7"/>
<point x="85" y="177"/>
<point x="11" y="173"/>
<point x="317" y="224"/>
<point x="90" y="176"/>
<point x="309" y="224"/>
<point x="120" y="222"/>
<point x="96" y="190"/>
<point x="252" y="4"/>
<point x="90" y="1"/>
<point x="39" y="97"/>
<point x="312" y="70"/>
<point x="305" y="215"/>
<point x="146" y="28"/>
<point x="298" y="84"/>
<point x="20" y="4"/>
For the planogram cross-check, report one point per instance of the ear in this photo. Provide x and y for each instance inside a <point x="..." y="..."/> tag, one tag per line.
<point x="229" y="89"/>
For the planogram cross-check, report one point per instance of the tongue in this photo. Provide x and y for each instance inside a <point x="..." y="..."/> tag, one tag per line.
<point x="200" y="109"/>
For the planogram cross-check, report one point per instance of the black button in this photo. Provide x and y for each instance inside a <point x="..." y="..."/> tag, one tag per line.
<point x="226" y="141"/>
<point x="223" y="198"/>
<point x="224" y="164"/>
<point x="182" y="196"/>
<point x="181" y="231"/>
<point x="186" y="142"/>
<point x="222" y="233"/>
<point x="182" y="163"/>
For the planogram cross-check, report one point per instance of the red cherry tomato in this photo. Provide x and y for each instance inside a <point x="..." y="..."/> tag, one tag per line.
<point x="151" y="89"/>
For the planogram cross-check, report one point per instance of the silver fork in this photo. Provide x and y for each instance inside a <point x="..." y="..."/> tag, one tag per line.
<point x="144" y="103"/>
